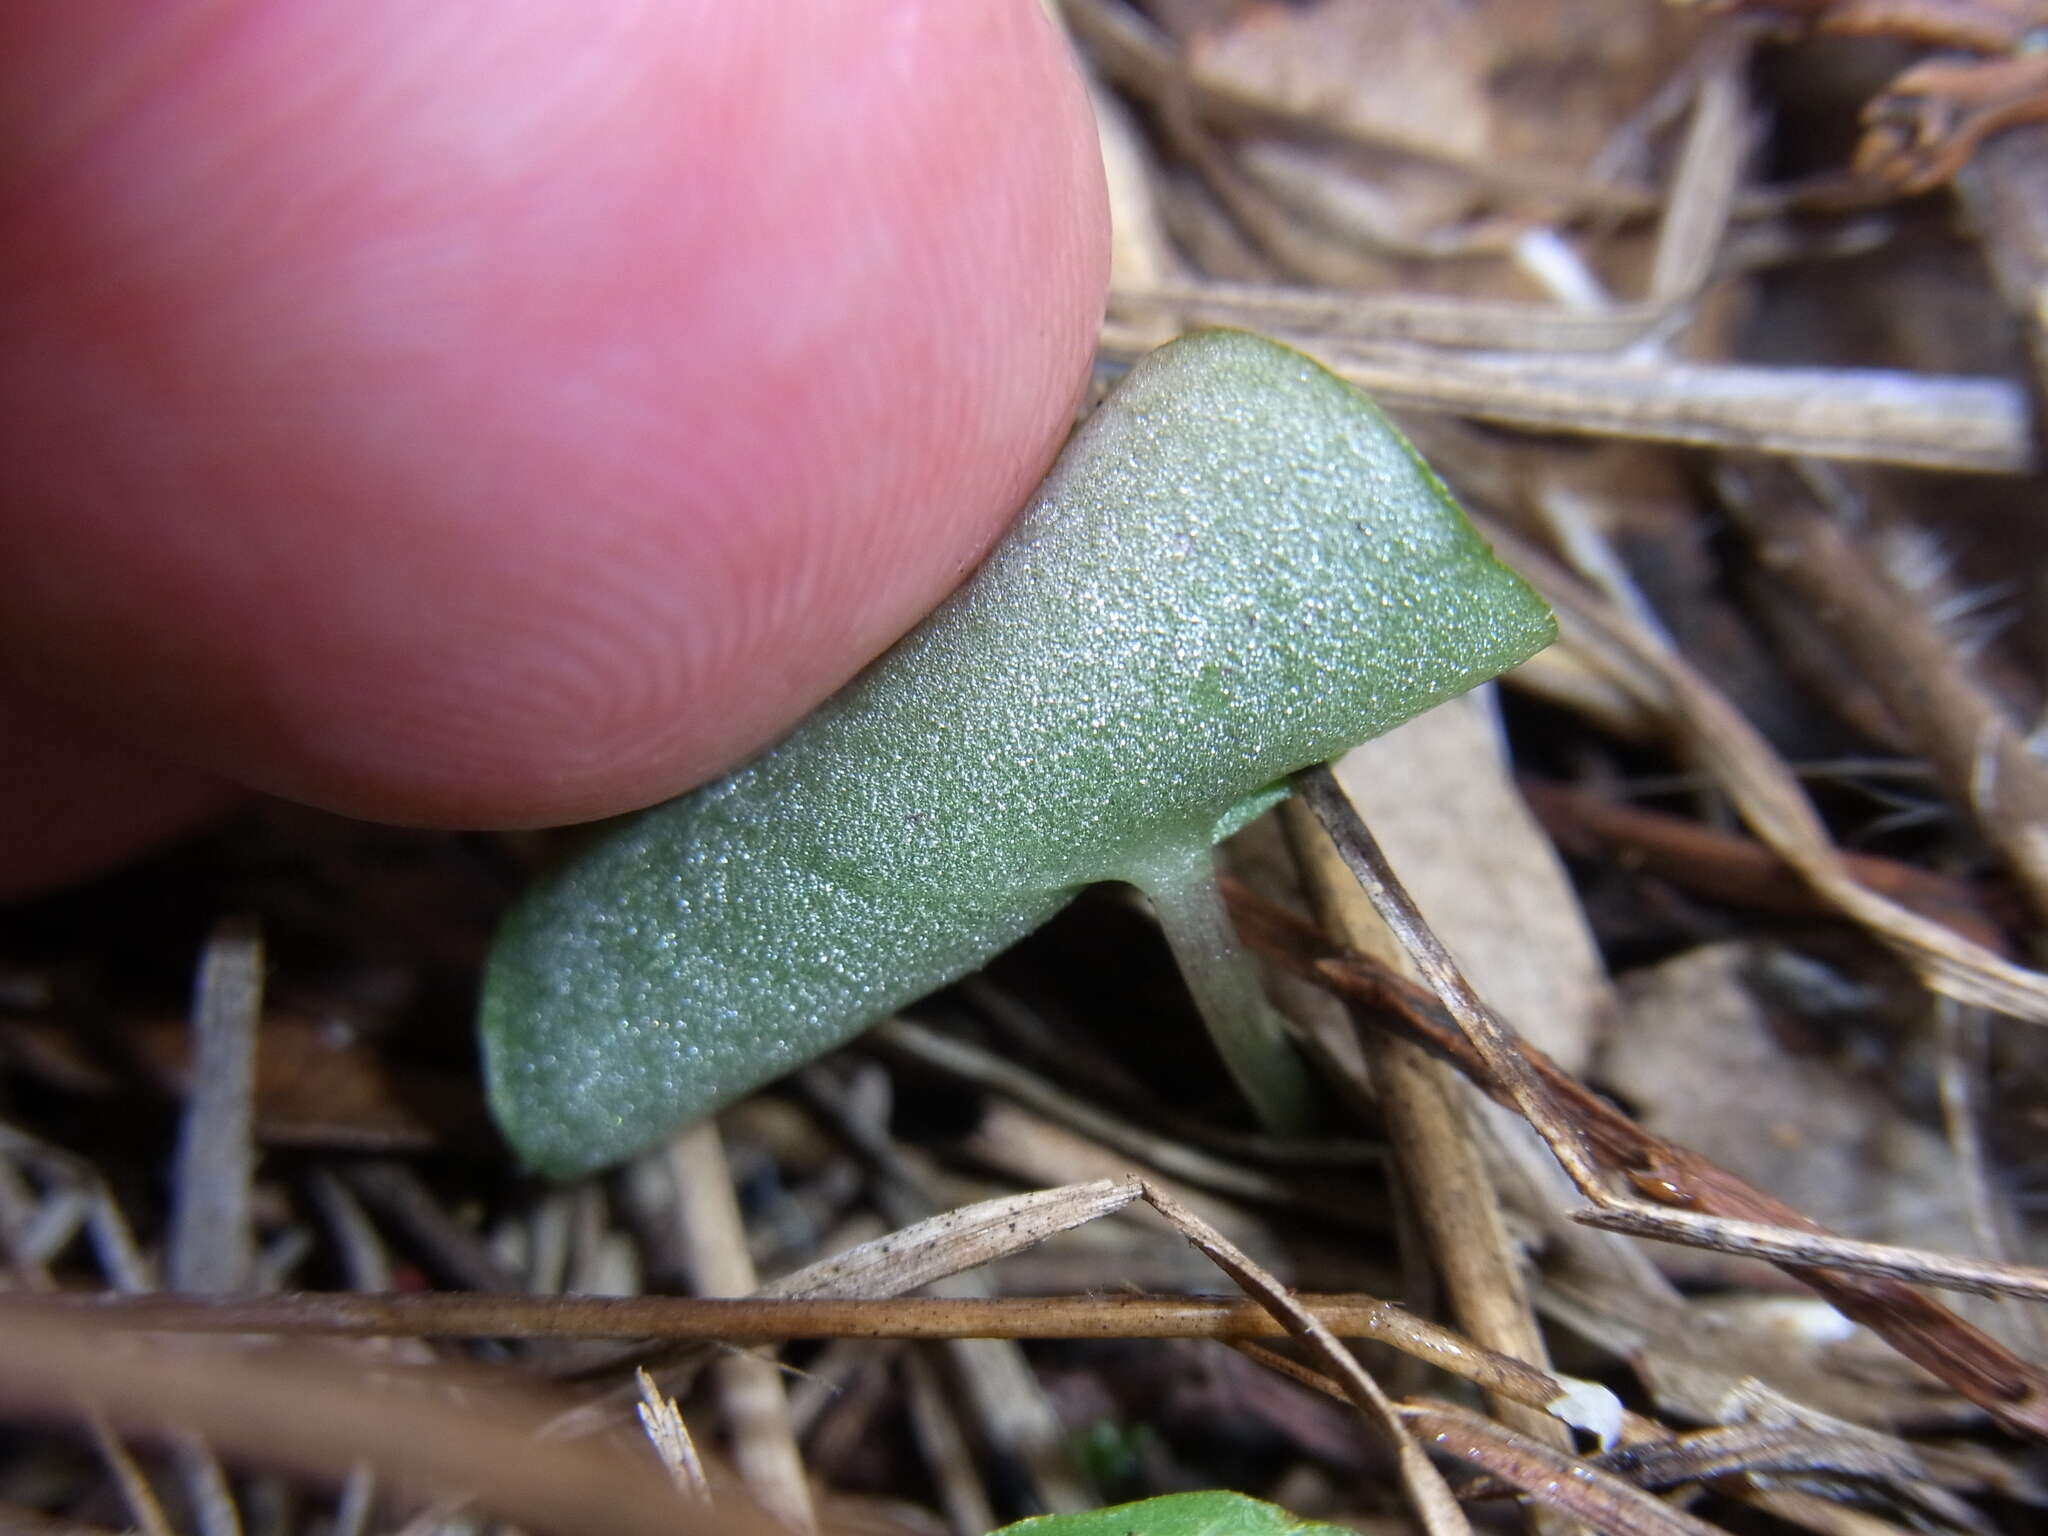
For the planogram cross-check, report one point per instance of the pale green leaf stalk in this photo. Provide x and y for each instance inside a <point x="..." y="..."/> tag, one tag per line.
<point x="1237" y="568"/>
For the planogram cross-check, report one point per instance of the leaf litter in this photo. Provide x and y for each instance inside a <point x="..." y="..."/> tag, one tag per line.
<point x="1670" y="293"/>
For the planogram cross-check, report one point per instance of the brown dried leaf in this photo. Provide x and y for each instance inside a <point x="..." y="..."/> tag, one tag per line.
<point x="1438" y="796"/>
<point x="1698" y="1059"/>
<point x="319" y="1086"/>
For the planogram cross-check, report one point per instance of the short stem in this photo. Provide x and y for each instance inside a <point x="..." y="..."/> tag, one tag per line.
<point x="1219" y="972"/>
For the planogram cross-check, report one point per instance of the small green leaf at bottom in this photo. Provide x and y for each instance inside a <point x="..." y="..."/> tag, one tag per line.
<point x="1177" y="1514"/>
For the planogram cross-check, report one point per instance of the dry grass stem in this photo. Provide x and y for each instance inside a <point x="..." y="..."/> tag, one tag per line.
<point x="737" y="1320"/>
<point x="662" y="1417"/>
<point x="211" y="1243"/>
<point x="1694" y="219"/>
<point x="922" y="1253"/>
<point x="1429" y="1497"/>
<point x="1976" y="1366"/>
<point x="357" y="1502"/>
<point x="1132" y="52"/>
<point x="209" y="1247"/>
<point x="1760" y="1448"/>
<point x="1553" y="1479"/>
<point x="319" y="1415"/>
<point x="945" y="1449"/>
<point x="1769" y="795"/>
<point x="1961" y="1039"/>
<point x="1608" y="1490"/>
<point x="1012" y="1412"/>
<point x="1708" y="175"/>
<point x="754" y="1320"/>
<point x="1491" y="1039"/>
<point x="1919" y="672"/>
<point x="951" y="1242"/>
<point x="750" y="1389"/>
<point x="1969" y="425"/>
<point x="211" y="1500"/>
<point x="1757" y="1240"/>
<point x="1173" y="1157"/>
<point x="398" y="1195"/>
<point x="136" y="1493"/>
<point x="1975" y="425"/>
<point x="1421" y="1101"/>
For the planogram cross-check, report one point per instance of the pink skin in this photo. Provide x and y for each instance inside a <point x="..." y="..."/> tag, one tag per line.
<point x="502" y="412"/>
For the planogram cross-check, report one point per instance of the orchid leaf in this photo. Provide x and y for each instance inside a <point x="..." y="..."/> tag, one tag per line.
<point x="1177" y="1514"/>
<point x="1237" y="568"/>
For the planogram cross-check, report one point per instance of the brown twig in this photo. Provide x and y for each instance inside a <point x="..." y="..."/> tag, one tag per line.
<point x="320" y="1416"/>
<point x="1421" y="1101"/>
<point x="1554" y="1479"/>
<point x="1968" y="1360"/>
<point x="1765" y="791"/>
<point x="1738" y="870"/>
<point x="1988" y="26"/>
<point x="753" y="1320"/>
<point x="1928" y="123"/>
<point x="1508" y="1072"/>
<point x="734" y="1320"/>
<point x="1651" y="1453"/>
<point x="1427" y="1494"/>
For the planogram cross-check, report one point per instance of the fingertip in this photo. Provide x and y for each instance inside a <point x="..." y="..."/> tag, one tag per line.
<point x="77" y="800"/>
<point x="551" y="405"/>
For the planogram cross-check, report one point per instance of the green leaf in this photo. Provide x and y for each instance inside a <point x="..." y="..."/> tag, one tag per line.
<point x="1177" y="1514"/>
<point x="1237" y="568"/>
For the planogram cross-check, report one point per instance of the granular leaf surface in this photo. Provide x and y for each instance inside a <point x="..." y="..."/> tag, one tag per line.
<point x="1177" y="1514"/>
<point x="1237" y="568"/>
